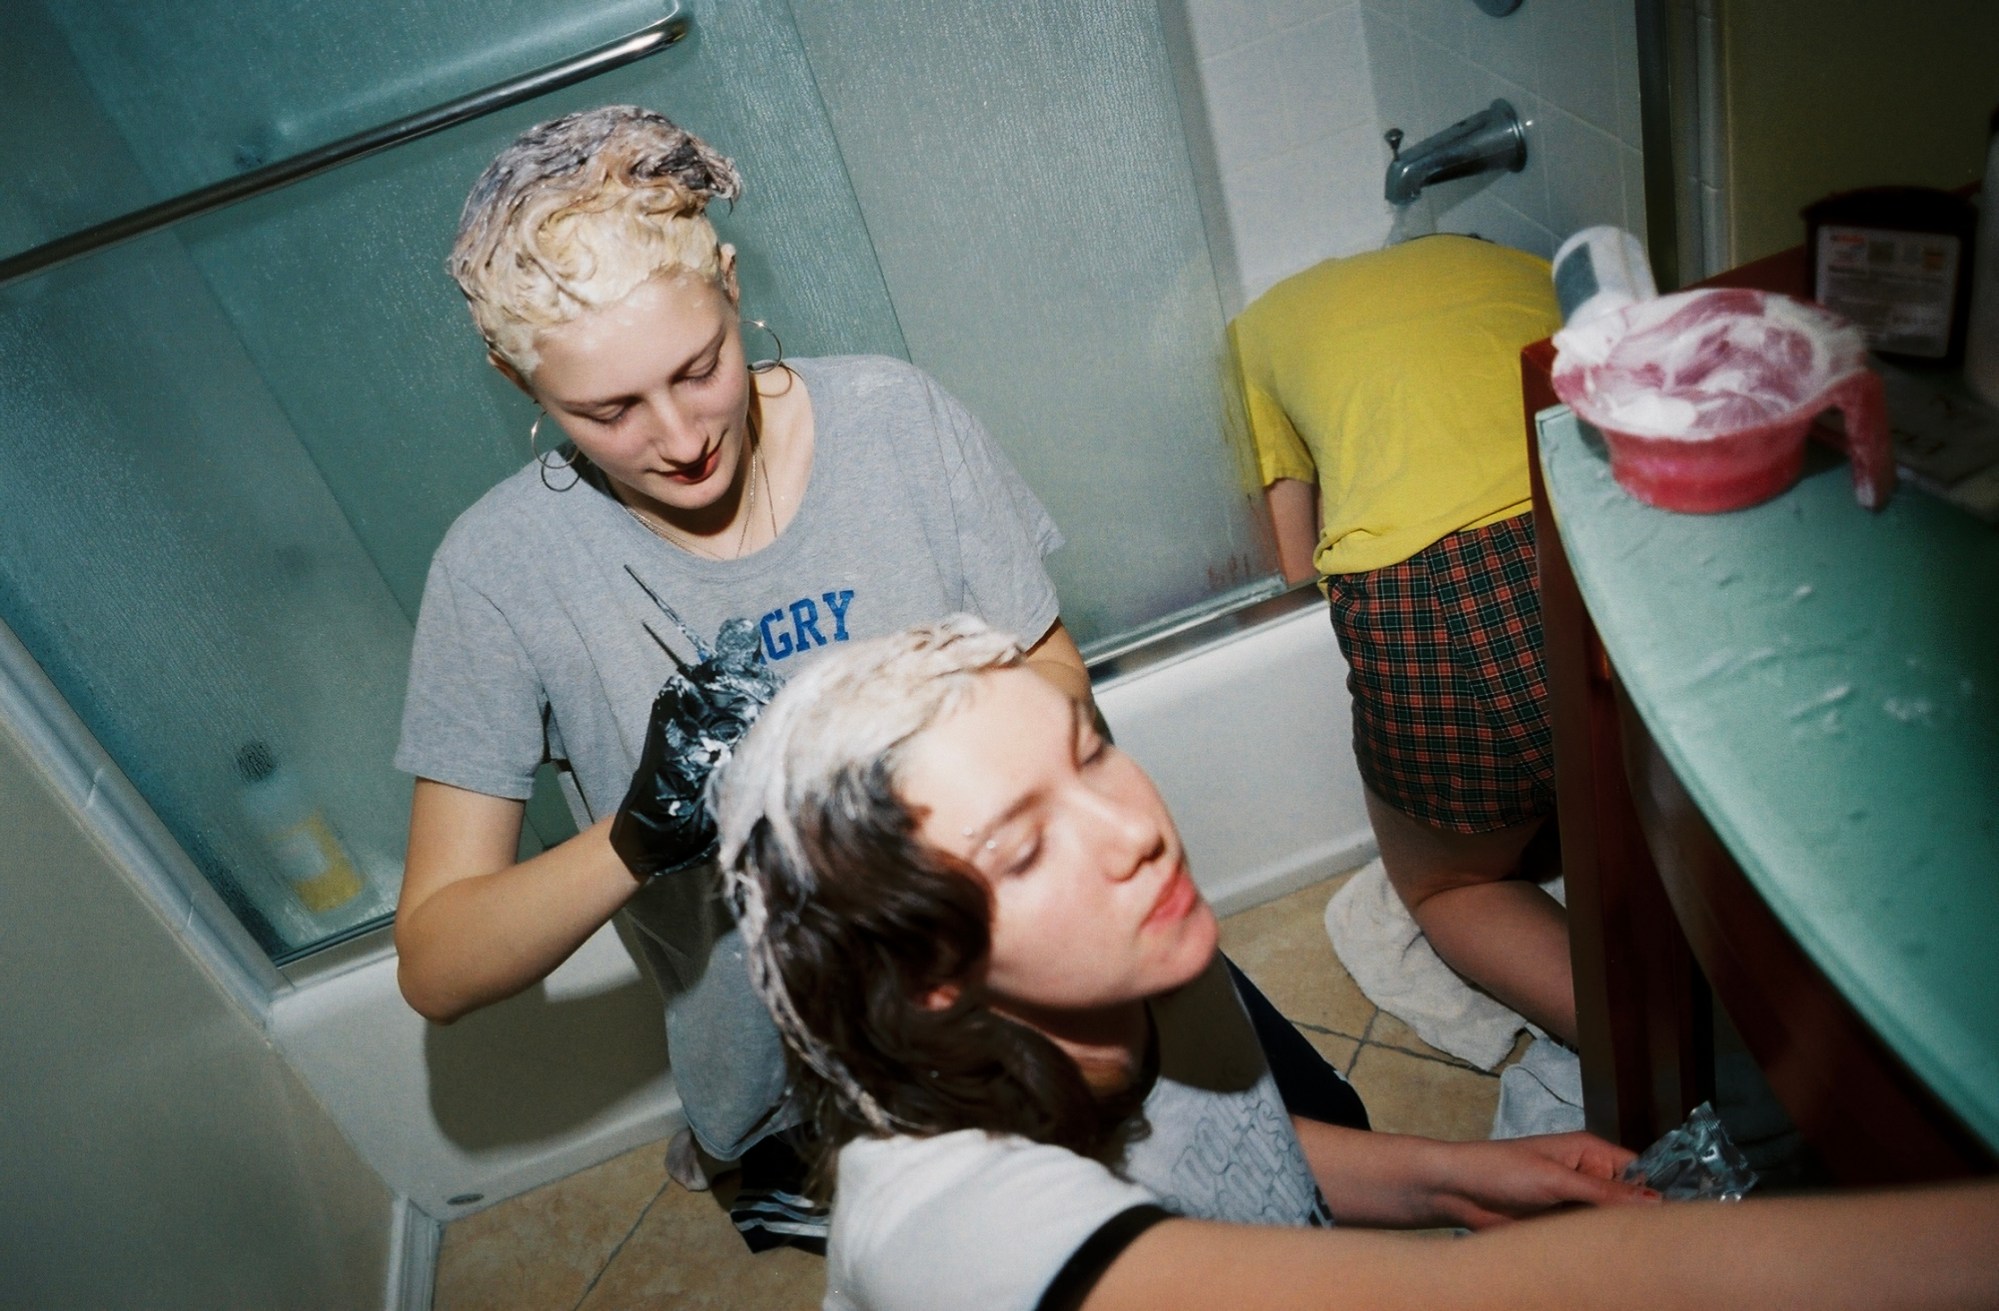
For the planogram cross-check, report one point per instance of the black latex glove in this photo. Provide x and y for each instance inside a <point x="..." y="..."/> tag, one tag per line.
<point x="697" y="719"/>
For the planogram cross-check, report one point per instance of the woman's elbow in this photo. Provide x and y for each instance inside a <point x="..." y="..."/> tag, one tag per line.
<point x="426" y="997"/>
<point x="427" y="988"/>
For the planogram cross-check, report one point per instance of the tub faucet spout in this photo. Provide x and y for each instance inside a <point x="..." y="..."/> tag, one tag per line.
<point x="1491" y="139"/>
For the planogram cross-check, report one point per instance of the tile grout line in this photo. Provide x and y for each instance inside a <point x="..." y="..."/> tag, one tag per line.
<point x="644" y="1211"/>
<point x="1310" y="1027"/>
<point x="1361" y="1045"/>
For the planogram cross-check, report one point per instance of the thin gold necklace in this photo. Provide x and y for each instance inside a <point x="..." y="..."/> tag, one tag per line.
<point x="673" y="538"/>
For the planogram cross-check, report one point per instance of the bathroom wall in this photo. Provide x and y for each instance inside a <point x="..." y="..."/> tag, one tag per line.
<point x="1827" y="95"/>
<point x="1298" y="93"/>
<point x="155" y="1150"/>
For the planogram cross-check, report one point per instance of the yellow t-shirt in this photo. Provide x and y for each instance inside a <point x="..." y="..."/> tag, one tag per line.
<point x="1392" y="379"/>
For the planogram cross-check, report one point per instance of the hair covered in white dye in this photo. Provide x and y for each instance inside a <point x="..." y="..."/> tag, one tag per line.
<point x="578" y="213"/>
<point x="822" y="751"/>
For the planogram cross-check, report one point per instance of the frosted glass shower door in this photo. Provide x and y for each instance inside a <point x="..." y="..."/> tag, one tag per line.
<point x="232" y="445"/>
<point x="1026" y="180"/>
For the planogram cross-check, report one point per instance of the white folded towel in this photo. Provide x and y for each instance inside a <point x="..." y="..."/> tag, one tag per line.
<point x="1378" y="941"/>
<point x="1381" y="946"/>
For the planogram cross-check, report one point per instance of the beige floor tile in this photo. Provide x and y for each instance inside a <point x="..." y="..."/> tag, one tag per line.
<point x="686" y="1255"/>
<point x="1283" y="947"/>
<point x="1412" y="1094"/>
<point x="541" y="1249"/>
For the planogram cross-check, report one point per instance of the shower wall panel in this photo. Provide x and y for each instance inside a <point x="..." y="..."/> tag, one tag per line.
<point x="1024" y="177"/>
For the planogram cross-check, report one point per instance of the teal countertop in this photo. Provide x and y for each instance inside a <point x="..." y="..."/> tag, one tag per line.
<point x="1825" y="682"/>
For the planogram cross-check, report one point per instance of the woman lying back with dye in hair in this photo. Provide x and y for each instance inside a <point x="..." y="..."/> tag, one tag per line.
<point x="972" y="919"/>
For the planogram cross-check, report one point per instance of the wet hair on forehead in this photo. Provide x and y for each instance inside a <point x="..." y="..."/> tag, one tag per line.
<point x="817" y="774"/>
<point x="580" y="211"/>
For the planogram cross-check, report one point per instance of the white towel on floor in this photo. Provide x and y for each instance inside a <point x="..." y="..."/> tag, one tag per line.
<point x="1377" y="940"/>
<point x="1542" y="1092"/>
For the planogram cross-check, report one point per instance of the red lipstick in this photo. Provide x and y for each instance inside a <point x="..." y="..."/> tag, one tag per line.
<point x="697" y="473"/>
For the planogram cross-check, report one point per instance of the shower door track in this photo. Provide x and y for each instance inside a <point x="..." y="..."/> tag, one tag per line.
<point x="648" y="40"/>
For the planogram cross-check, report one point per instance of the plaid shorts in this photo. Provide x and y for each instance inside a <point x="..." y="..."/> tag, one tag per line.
<point x="1450" y="709"/>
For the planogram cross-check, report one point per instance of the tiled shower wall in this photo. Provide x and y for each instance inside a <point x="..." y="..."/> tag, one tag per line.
<point x="1299" y="92"/>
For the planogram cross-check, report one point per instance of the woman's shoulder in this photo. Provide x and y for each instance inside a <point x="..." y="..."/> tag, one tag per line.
<point x="498" y="526"/>
<point x="867" y="375"/>
<point x="967" y="1168"/>
<point x="990" y="1218"/>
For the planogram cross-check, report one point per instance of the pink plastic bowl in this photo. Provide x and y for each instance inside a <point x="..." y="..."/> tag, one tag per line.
<point x="1704" y="397"/>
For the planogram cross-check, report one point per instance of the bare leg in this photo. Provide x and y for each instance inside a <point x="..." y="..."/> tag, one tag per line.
<point x="1503" y="934"/>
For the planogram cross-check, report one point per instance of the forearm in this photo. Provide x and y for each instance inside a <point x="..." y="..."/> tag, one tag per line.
<point x="1922" y="1248"/>
<point x="1374" y="1180"/>
<point x="1294" y="517"/>
<point x="1928" y="1248"/>
<point x="478" y="940"/>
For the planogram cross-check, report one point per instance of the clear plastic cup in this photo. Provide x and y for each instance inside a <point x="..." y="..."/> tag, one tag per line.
<point x="1704" y="397"/>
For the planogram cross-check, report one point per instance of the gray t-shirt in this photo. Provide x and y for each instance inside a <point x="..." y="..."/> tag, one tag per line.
<point x="533" y="643"/>
<point x="972" y="1219"/>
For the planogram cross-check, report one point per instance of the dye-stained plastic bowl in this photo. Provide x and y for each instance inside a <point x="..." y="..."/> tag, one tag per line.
<point x="1704" y="397"/>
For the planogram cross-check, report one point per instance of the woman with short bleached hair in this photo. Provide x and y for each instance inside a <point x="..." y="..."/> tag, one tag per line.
<point x="974" y="922"/>
<point x="691" y="528"/>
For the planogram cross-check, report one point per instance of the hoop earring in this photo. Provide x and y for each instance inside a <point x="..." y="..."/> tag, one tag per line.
<point x="776" y="362"/>
<point x="547" y="462"/>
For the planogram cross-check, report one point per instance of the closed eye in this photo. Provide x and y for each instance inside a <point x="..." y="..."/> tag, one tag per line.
<point x="1022" y="860"/>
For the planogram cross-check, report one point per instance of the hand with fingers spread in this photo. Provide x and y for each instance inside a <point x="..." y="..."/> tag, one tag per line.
<point x="1479" y="1185"/>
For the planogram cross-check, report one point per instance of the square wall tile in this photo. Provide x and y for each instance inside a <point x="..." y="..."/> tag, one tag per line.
<point x="1389" y="63"/>
<point x="1585" y="174"/>
<point x="1320" y="200"/>
<point x="1509" y="46"/>
<point x="1528" y="189"/>
<point x="1319" y="71"/>
<point x="1631" y="166"/>
<point x="1356" y="169"/>
<point x="1440" y="78"/>
<point x="1283" y="15"/>
<point x="1278" y="211"/>
<point x="1624" y="36"/>
<point x="1484" y="214"/>
<point x="1221" y="26"/>
<point x="1247" y="110"/>
<point x="1447" y="22"/>
<point x="1578" y="58"/>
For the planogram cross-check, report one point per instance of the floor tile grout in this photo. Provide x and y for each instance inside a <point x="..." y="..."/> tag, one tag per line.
<point x="1310" y="1027"/>
<point x="1361" y="1044"/>
<point x="604" y="1269"/>
<point x="1441" y="1058"/>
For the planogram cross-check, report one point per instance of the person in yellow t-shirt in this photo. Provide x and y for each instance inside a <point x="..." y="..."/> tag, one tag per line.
<point x="1383" y="393"/>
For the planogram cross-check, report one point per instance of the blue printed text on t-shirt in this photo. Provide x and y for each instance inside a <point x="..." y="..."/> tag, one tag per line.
<point x="791" y="629"/>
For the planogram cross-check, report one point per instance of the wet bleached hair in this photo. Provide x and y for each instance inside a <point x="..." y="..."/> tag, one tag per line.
<point x="813" y="784"/>
<point x="869" y="945"/>
<point x="576" y="214"/>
